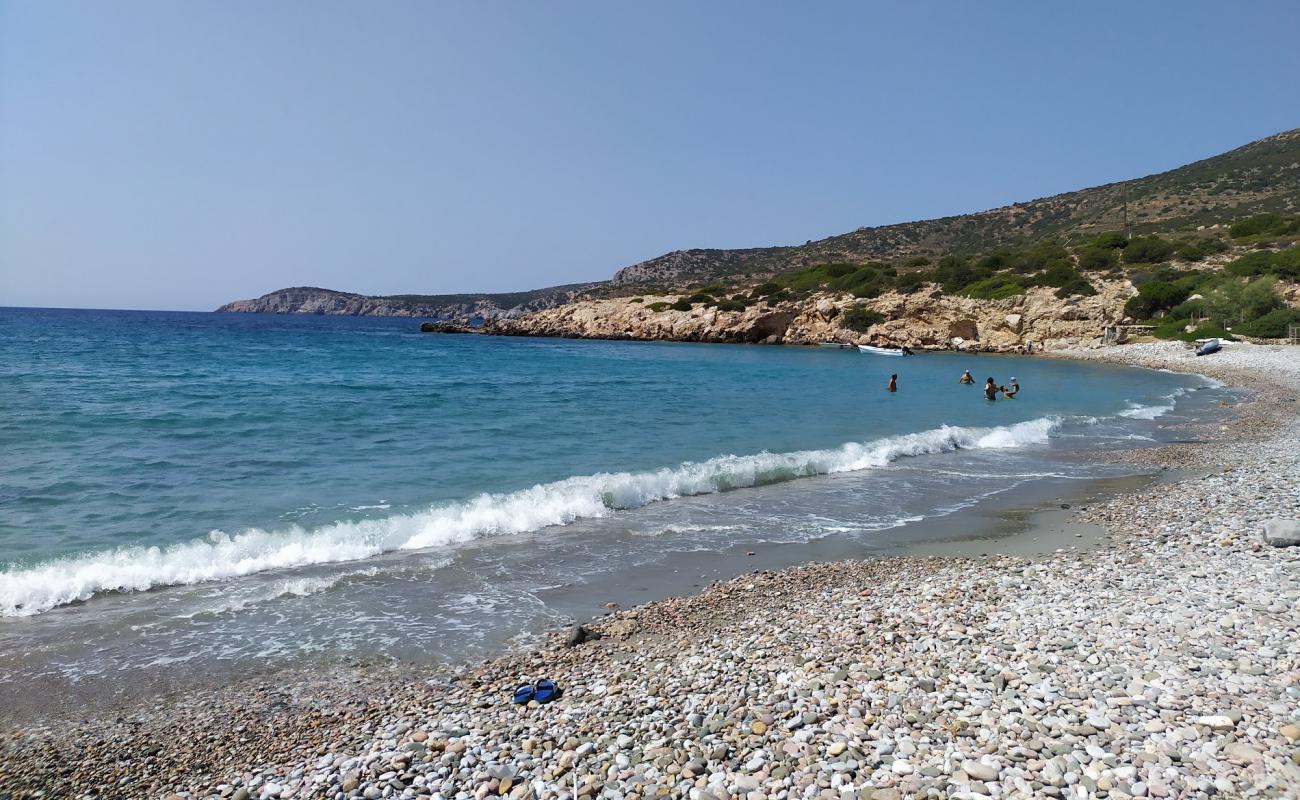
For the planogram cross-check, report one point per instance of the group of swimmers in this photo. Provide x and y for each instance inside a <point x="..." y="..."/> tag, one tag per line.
<point x="991" y="389"/>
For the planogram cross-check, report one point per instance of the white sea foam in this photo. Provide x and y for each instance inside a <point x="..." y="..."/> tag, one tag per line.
<point x="32" y="590"/>
<point x="1139" y="411"/>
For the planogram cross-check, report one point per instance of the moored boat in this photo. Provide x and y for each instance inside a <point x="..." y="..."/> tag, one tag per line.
<point x="884" y="351"/>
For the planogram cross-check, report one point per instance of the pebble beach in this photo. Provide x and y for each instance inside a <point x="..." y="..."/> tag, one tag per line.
<point x="1164" y="663"/>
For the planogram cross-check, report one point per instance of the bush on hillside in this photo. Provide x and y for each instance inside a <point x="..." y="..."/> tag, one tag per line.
<point x="1234" y="302"/>
<point x="861" y="317"/>
<point x="681" y="305"/>
<point x="1199" y="249"/>
<point x="910" y="282"/>
<point x="731" y="305"/>
<point x="1265" y="225"/>
<point x="1077" y="286"/>
<point x="1154" y="297"/>
<point x="1093" y="257"/>
<point x="701" y="297"/>
<point x="995" y="288"/>
<point x="1110" y="240"/>
<point x="1273" y="325"/>
<point x="658" y="306"/>
<point x="1282" y="263"/>
<point x="1148" y="250"/>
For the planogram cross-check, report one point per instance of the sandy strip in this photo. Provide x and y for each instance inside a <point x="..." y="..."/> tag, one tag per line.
<point x="1164" y="665"/>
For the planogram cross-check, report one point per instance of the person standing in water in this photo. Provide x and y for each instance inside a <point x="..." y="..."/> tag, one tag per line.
<point x="966" y="378"/>
<point x="990" y="390"/>
<point x="893" y="384"/>
<point x="1014" y="390"/>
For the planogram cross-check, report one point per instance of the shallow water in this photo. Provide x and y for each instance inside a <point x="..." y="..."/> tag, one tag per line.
<point x="226" y="490"/>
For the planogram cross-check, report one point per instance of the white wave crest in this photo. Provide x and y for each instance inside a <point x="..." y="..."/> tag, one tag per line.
<point x="1139" y="411"/>
<point x="27" y="591"/>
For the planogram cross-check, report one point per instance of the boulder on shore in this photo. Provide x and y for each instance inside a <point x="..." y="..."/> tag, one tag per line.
<point x="1282" y="532"/>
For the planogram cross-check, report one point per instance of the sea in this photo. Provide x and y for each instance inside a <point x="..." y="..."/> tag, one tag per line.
<point x="217" y="493"/>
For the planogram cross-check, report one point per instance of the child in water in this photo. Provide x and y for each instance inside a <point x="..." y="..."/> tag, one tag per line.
<point x="966" y="377"/>
<point x="893" y="384"/>
<point x="990" y="390"/>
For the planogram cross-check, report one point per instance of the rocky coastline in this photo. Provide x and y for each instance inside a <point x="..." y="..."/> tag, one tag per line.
<point x="921" y="320"/>
<point x="1163" y="664"/>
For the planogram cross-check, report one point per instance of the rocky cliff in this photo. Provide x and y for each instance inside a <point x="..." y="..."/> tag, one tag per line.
<point x="922" y="319"/>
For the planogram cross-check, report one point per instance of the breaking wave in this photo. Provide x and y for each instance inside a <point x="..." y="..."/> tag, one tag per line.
<point x="32" y="590"/>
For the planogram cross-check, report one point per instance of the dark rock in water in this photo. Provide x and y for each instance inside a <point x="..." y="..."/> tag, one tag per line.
<point x="443" y="327"/>
<point x="579" y="634"/>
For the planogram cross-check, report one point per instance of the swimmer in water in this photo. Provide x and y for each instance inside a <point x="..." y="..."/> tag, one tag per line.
<point x="966" y="377"/>
<point x="893" y="384"/>
<point x="990" y="390"/>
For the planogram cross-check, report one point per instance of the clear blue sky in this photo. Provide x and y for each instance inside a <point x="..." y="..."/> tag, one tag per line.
<point x="181" y="154"/>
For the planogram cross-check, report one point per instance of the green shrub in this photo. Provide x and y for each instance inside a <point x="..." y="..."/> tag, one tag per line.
<point x="659" y="306"/>
<point x="910" y="282"/>
<point x="681" y="305"/>
<point x="1154" y="297"/>
<point x="1093" y="257"/>
<point x="1199" y="249"/>
<point x="765" y="289"/>
<point x="1273" y="325"/>
<point x="1078" y="286"/>
<point x="1282" y="263"/>
<point x="1148" y="250"/>
<point x="731" y="305"/>
<point x="701" y="297"/>
<point x="995" y="288"/>
<point x="917" y="261"/>
<point x="1265" y="225"/>
<point x="1110" y="240"/>
<point x="1234" y="302"/>
<point x="637" y="300"/>
<point x="861" y="317"/>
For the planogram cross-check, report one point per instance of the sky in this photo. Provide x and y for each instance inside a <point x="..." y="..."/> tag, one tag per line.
<point x="178" y="155"/>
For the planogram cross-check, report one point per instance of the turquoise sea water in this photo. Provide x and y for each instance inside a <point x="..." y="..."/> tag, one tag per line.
<point x="181" y="486"/>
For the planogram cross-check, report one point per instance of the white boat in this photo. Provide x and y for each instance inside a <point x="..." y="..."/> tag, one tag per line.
<point x="1208" y="346"/>
<point x="883" y="351"/>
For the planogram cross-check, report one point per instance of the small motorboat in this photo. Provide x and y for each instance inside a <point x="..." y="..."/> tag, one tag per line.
<point x="884" y="351"/>
<point x="1206" y="346"/>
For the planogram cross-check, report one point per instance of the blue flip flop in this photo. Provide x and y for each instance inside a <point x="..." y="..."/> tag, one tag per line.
<point x="545" y="691"/>
<point x="523" y="694"/>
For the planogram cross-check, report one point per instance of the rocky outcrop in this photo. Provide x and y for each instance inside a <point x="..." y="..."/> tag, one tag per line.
<point x="922" y="319"/>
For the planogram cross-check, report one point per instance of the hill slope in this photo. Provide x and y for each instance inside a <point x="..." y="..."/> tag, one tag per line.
<point x="1261" y="176"/>
<point x="314" y="300"/>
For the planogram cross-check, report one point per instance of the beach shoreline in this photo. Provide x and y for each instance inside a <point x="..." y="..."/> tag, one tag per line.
<point x="912" y="711"/>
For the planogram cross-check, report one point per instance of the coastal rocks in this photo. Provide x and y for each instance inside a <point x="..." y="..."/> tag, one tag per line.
<point x="578" y="634"/>
<point x="443" y="327"/>
<point x="770" y="328"/>
<point x="965" y="329"/>
<point x="925" y="319"/>
<point x="1282" y="532"/>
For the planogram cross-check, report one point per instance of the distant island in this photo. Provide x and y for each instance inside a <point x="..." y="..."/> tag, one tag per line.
<point x="1058" y="269"/>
